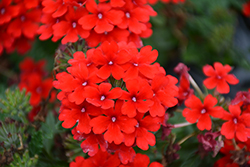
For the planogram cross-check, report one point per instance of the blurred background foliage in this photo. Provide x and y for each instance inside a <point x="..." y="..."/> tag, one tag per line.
<point x="197" y="32"/>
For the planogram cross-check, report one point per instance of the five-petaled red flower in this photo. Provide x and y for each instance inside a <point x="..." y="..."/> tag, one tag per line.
<point x="201" y="112"/>
<point x="218" y="77"/>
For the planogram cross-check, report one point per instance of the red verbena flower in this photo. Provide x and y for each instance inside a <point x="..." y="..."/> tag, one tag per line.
<point x="80" y="114"/>
<point x="102" y="17"/>
<point x="218" y="77"/>
<point x="237" y="124"/>
<point x="137" y="98"/>
<point x="70" y="28"/>
<point x="110" y="57"/>
<point x="114" y="123"/>
<point x="201" y="112"/>
<point x="141" y="136"/>
<point x="8" y="11"/>
<point x="102" y="96"/>
<point x="38" y="88"/>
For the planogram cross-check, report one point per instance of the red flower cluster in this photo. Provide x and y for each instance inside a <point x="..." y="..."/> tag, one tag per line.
<point x="116" y="97"/>
<point x="108" y="160"/>
<point x="218" y="77"/>
<point x="31" y="76"/>
<point x="19" y="21"/>
<point x="117" y="20"/>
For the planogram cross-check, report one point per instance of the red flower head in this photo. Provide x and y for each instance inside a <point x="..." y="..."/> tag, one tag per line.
<point x="201" y="112"/>
<point x="141" y="136"/>
<point x="38" y="88"/>
<point x="237" y="124"/>
<point x="27" y="23"/>
<point x="7" y="11"/>
<point x="70" y="28"/>
<point x="218" y="77"/>
<point x="164" y="93"/>
<point x="102" y="96"/>
<point x="110" y="58"/>
<point x="114" y="123"/>
<point x="137" y="98"/>
<point x="135" y="18"/>
<point x="81" y="115"/>
<point x="103" y="17"/>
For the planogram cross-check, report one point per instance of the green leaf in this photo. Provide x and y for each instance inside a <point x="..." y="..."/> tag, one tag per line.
<point x="36" y="143"/>
<point x="193" y="160"/>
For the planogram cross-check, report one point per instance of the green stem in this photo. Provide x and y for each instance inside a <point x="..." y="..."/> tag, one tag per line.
<point x="196" y="87"/>
<point x="185" y="138"/>
<point x="180" y="125"/>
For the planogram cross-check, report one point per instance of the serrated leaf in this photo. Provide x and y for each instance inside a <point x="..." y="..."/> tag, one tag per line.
<point x="36" y="143"/>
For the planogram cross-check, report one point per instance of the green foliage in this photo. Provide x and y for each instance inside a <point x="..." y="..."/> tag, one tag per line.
<point x="11" y="135"/>
<point x="24" y="160"/>
<point x="197" y="32"/>
<point x="16" y="105"/>
<point x="36" y="143"/>
<point x="73" y="148"/>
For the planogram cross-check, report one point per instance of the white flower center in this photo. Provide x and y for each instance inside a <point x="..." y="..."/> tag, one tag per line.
<point x="203" y="111"/>
<point x="84" y="83"/>
<point x="99" y="16"/>
<point x="135" y="64"/>
<point x="83" y="110"/>
<point x="74" y="24"/>
<point x="113" y="119"/>
<point x="127" y="15"/>
<point x="235" y="120"/>
<point x="134" y="99"/>
<point x="110" y="63"/>
<point x="137" y="125"/>
<point x="102" y="98"/>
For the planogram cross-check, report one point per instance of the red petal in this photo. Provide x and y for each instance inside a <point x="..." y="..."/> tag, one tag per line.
<point x="100" y="124"/>
<point x="222" y="86"/>
<point x="88" y="22"/>
<point x="230" y="78"/>
<point x="114" y="134"/>
<point x="210" y="101"/>
<point x="129" y="109"/>
<point x="228" y="130"/>
<point x="210" y="83"/>
<point x="204" y="122"/>
<point x="209" y="71"/>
